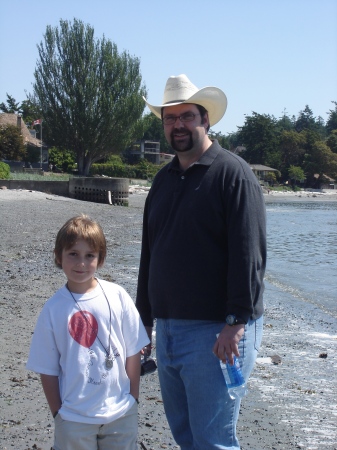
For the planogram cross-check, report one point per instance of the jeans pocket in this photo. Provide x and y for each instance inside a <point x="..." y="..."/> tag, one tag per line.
<point x="258" y="333"/>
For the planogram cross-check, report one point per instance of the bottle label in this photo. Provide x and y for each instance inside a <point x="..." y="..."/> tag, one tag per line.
<point x="235" y="377"/>
<point x="232" y="374"/>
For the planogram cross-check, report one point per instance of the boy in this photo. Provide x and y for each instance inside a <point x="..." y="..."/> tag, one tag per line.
<point x="86" y="347"/>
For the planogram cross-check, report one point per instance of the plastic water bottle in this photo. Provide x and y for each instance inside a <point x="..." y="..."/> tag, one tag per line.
<point x="234" y="379"/>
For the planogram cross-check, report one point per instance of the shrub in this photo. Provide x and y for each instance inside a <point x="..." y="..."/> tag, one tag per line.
<point x="144" y="170"/>
<point x="4" y="171"/>
<point x="63" y="159"/>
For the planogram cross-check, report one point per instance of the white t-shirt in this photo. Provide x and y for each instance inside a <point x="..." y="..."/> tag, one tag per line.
<point x="64" y="344"/>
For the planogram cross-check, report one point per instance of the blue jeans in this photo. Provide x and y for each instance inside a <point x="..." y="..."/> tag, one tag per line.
<point x="198" y="408"/>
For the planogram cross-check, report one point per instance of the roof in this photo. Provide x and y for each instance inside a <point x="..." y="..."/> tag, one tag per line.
<point x="317" y="176"/>
<point x="262" y="168"/>
<point x="12" y="119"/>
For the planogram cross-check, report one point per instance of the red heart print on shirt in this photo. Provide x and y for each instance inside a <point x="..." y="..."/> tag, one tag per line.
<point x="83" y="328"/>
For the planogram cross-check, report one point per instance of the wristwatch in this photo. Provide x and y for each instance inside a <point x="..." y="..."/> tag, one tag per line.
<point x="231" y="320"/>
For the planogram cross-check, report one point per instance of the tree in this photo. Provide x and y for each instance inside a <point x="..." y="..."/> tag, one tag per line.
<point x="291" y="146"/>
<point x="31" y="111"/>
<point x="222" y="139"/>
<point x="90" y="95"/>
<point x="307" y="121"/>
<point x="4" y="171"/>
<point x="233" y="141"/>
<point x="296" y="174"/>
<point x="63" y="159"/>
<point x="259" y="136"/>
<point x="285" y="123"/>
<point x="319" y="159"/>
<point x="11" y="143"/>
<point x="331" y="141"/>
<point x="28" y="109"/>
<point x="153" y="131"/>
<point x="331" y="123"/>
<point x="12" y="107"/>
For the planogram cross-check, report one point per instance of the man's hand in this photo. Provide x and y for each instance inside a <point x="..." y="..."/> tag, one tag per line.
<point x="227" y="343"/>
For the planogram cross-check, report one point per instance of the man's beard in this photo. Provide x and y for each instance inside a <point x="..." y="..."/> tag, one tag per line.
<point x="183" y="147"/>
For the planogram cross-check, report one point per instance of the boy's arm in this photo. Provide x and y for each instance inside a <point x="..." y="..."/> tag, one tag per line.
<point x="132" y="368"/>
<point x="51" y="389"/>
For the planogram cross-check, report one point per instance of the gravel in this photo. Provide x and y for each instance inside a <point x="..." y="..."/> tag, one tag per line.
<point x="292" y="392"/>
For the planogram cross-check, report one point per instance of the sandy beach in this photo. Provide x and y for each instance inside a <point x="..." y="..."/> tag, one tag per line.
<point x="284" y="409"/>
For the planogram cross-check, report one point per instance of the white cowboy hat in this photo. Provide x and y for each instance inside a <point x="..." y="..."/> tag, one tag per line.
<point x="180" y="90"/>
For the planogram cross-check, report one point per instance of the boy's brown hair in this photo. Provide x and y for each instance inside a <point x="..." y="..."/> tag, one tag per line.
<point x="80" y="227"/>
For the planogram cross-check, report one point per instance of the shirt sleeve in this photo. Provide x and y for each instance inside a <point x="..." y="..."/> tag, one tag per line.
<point x="142" y="299"/>
<point x="246" y="222"/>
<point x="44" y="356"/>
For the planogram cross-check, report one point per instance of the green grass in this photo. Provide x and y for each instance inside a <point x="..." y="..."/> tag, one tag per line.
<point x="36" y="177"/>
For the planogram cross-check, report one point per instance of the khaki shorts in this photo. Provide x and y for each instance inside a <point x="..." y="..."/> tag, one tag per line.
<point x="121" y="434"/>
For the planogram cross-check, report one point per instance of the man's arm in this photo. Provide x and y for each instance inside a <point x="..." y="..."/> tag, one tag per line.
<point x="51" y="389"/>
<point x="132" y="368"/>
<point x="247" y="261"/>
<point x="246" y="228"/>
<point x="142" y="298"/>
<point x="147" y="349"/>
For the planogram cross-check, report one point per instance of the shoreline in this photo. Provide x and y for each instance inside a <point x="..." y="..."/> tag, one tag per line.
<point x="290" y="404"/>
<point x="303" y="195"/>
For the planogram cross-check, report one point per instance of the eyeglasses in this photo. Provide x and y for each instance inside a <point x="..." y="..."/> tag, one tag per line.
<point x="186" y="117"/>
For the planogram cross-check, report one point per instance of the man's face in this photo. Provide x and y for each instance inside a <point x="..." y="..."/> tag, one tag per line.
<point x="184" y="136"/>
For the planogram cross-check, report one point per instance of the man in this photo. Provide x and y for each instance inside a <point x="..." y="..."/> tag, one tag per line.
<point x="202" y="266"/>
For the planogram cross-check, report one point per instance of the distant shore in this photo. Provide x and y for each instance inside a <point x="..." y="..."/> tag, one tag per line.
<point x="302" y="195"/>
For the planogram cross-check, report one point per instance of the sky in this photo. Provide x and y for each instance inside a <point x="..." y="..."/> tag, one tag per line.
<point x="268" y="56"/>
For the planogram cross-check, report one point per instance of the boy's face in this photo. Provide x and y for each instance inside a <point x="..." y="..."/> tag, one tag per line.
<point x="79" y="263"/>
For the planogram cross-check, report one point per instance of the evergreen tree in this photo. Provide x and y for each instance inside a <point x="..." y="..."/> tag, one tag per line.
<point x="331" y="141"/>
<point x="292" y="149"/>
<point x="305" y="120"/>
<point x="90" y="95"/>
<point x="12" y="107"/>
<point x="260" y="138"/>
<point x="331" y="123"/>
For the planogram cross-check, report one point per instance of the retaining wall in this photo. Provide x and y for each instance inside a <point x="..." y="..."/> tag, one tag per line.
<point x="49" y="187"/>
<point x="114" y="191"/>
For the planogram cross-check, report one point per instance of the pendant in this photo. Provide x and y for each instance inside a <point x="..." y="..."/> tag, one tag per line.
<point x="109" y="362"/>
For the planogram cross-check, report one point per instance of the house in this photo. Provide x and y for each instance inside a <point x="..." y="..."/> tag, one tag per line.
<point x="262" y="171"/>
<point x="143" y="149"/>
<point x="325" y="182"/>
<point x="16" y="120"/>
<point x="29" y="139"/>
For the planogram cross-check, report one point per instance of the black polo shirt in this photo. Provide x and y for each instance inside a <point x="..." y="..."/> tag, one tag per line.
<point x="204" y="241"/>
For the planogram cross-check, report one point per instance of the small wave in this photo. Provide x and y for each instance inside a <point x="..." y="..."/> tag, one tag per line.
<point x="297" y="294"/>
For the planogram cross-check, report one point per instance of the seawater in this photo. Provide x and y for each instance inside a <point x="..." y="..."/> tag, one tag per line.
<point x="302" y="251"/>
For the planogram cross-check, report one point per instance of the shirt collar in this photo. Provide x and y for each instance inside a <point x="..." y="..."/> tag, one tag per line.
<point x="206" y="158"/>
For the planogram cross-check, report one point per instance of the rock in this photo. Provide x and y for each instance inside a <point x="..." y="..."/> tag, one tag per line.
<point x="276" y="359"/>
